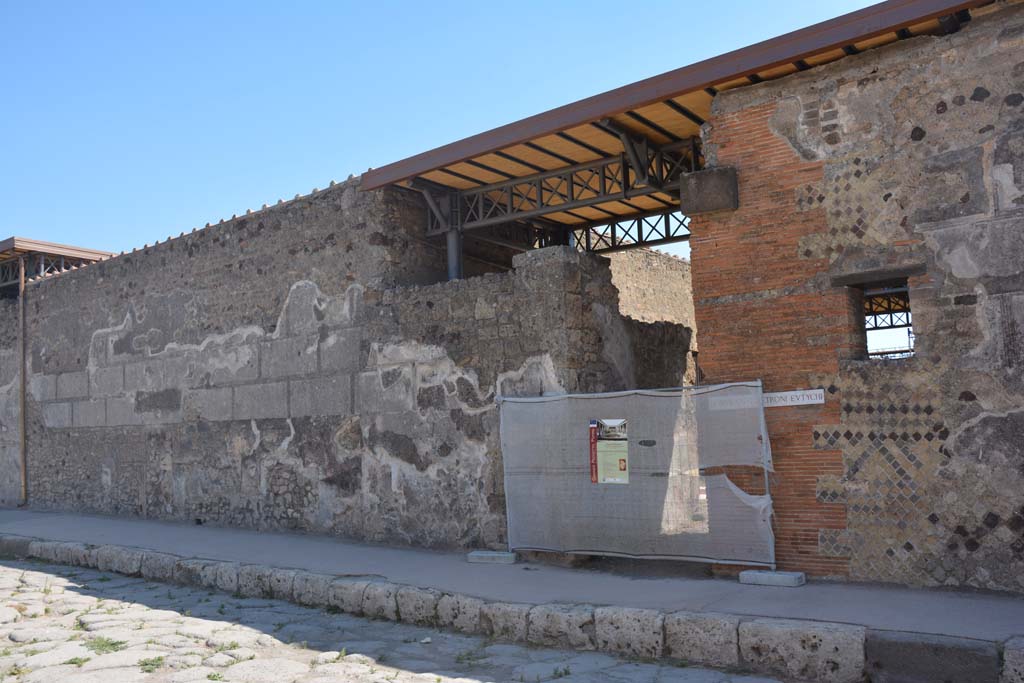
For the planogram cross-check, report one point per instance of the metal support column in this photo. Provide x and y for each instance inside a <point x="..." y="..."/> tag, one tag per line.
<point x="22" y="355"/>
<point x="454" y="254"/>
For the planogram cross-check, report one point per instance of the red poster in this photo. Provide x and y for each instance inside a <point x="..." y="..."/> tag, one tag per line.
<point x="593" y="451"/>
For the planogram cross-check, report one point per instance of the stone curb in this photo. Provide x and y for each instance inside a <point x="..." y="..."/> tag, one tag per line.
<point x="798" y="650"/>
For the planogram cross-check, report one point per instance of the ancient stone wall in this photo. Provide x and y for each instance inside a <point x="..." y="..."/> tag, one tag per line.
<point x="10" y="426"/>
<point x="653" y="286"/>
<point x="906" y="160"/>
<point x="291" y="370"/>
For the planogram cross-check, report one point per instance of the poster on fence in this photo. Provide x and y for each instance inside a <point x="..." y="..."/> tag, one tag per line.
<point x="609" y="451"/>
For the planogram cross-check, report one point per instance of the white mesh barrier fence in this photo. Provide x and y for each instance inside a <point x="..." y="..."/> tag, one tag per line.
<point x="622" y="474"/>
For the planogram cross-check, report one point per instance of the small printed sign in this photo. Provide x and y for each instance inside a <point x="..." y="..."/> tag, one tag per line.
<point x="800" y="397"/>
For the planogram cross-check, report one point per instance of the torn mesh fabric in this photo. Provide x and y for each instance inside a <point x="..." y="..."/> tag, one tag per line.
<point x="668" y="508"/>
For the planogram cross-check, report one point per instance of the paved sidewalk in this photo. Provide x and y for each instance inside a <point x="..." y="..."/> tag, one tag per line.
<point x="953" y="613"/>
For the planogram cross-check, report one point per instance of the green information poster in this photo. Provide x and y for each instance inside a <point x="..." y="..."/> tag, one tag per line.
<point x="609" y="451"/>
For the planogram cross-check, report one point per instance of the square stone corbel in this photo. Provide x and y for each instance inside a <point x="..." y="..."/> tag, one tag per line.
<point x="711" y="189"/>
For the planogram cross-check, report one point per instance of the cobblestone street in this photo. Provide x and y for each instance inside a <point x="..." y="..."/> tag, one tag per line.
<point x="83" y="626"/>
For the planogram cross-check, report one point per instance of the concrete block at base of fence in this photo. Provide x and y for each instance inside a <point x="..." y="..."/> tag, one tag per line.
<point x="703" y="638"/>
<point x="505" y="620"/>
<point x="568" y="626"/>
<point x="630" y="631"/>
<point x="312" y="589"/>
<point x="803" y="650"/>
<point x="190" y="572"/>
<point x="761" y="577"/>
<point x="380" y="601"/>
<point x="460" y="612"/>
<point x="490" y="557"/>
<point x="897" y="657"/>
<point x="1013" y="661"/>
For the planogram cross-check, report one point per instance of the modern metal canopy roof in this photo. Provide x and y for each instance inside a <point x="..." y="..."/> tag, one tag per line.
<point x="41" y="258"/>
<point x="663" y="113"/>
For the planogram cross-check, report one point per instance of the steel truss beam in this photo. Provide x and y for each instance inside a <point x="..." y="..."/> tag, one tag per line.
<point x="644" y="230"/>
<point x="644" y="169"/>
<point x="37" y="266"/>
<point x="887" y="309"/>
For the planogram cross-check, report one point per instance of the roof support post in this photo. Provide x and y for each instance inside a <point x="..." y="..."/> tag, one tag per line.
<point x="454" y="244"/>
<point x="22" y="381"/>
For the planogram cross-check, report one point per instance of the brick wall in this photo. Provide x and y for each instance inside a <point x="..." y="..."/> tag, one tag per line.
<point x="902" y="161"/>
<point x="766" y="312"/>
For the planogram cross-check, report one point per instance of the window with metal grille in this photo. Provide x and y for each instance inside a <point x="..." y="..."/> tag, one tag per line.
<point x="888" y="322"/>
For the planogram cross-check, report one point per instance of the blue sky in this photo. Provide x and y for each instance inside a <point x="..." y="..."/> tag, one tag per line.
<point x="125" y="122"/>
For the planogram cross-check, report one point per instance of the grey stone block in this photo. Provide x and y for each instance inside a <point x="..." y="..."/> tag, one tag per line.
<point x="288" y="357"/>
<point x="386" y="391"/>
<point x="347" y="595"/>
<point x="106" y="381"/>
<point x="565" y="626"/>
<point x="76" y="554"/>
<point x="225" y="575"/>
<point x="89" y="413"/>
<point x="162" y="401"/>
<point x="460" y="612"/>
<point x="320" y="396"/>
<point x="43" y="387"/>
<point x="1013" y="661"/>
<point x="282" y="584"/>
<point x="418" y="605"/>
<point x="312" y="589"/>
<point x="712" y="189"/>
<point x="147" y="375"/>
<point x="254" y="581"/>
<point x="228" y="363"/>
<point x="703" y="638"/>
<point x="158" y="566"/>
<point x="505" y="621"/>
<point x="212" y="405"/>
<point x="113" y="558"/>
<point x="192" y="572"/>
<point x="43" y="550"/>
<point x="57" y="415"/>
<point x="15" y="546"/>
<point x="803" y="650"/>
<point x="380" y="601"/>
<point x="630" y="631"/>
<point x="73" y="384"/>
<point x="898" y="657"/>
<point x="340" y="352"/>
<point x="121" y="412"/>
<point x="259" y="401"/>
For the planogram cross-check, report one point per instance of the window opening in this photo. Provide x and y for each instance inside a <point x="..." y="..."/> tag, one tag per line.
<point x="888" y="322"/>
